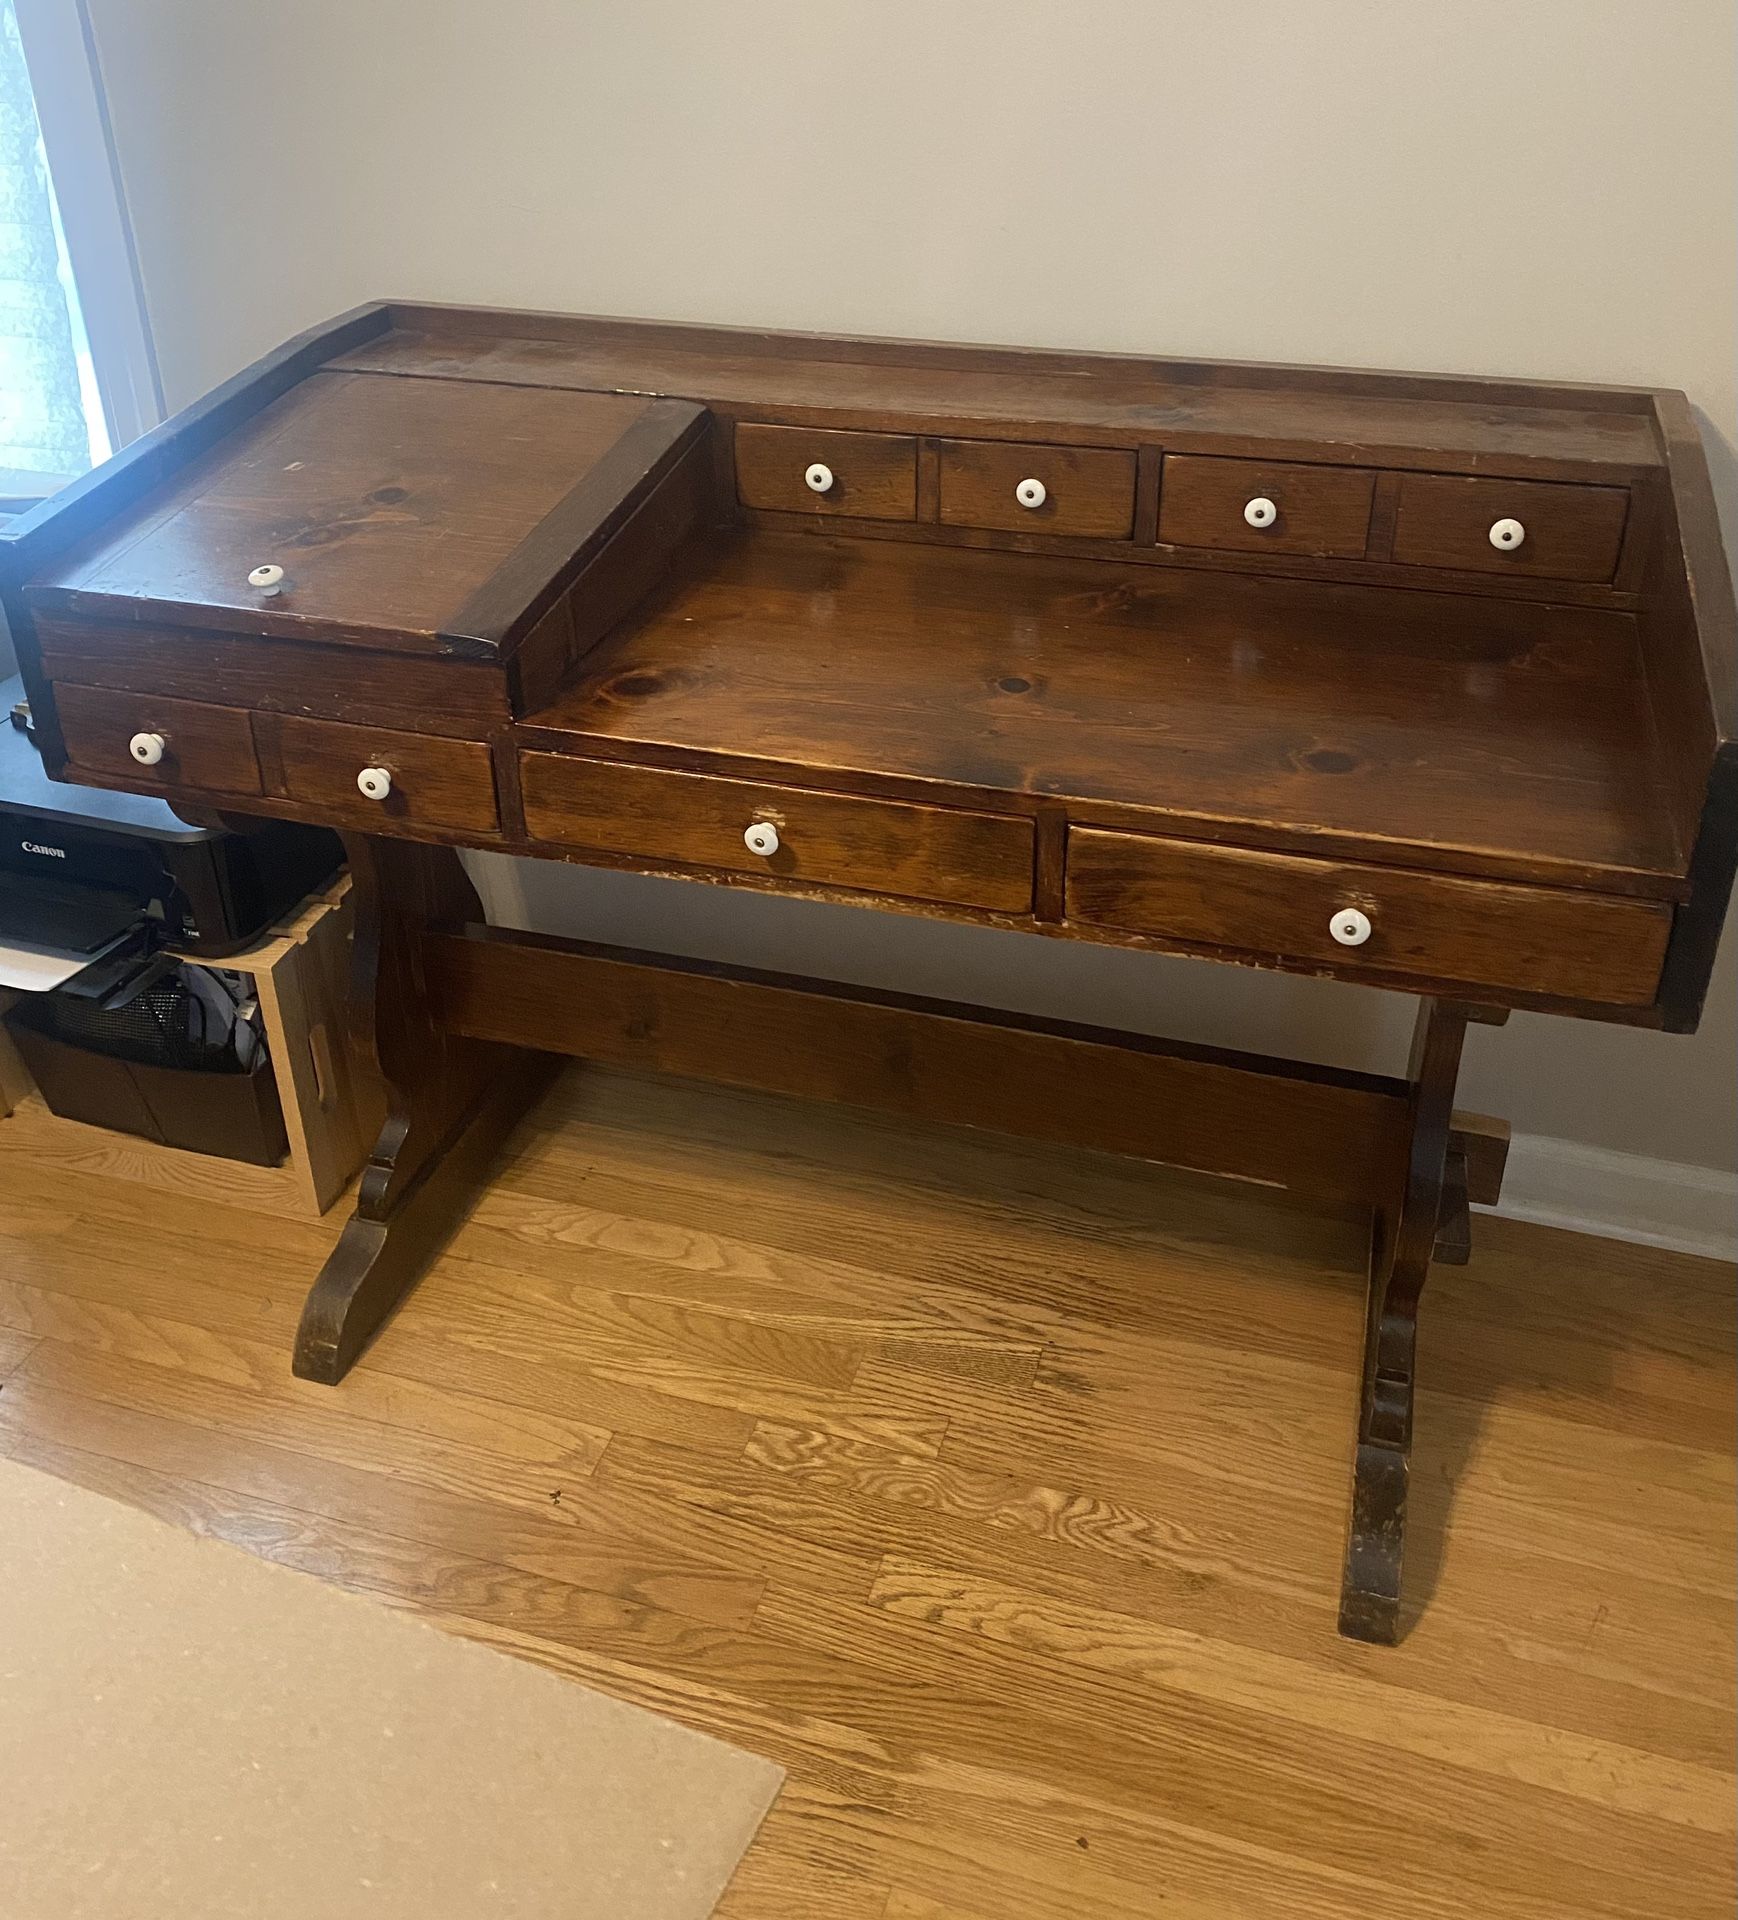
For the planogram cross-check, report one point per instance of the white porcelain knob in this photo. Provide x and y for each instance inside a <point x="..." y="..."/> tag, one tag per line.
<point x="375" y="783"/>
<point x="1350" y="927"/>
<point x="762" y="838"/>
<point x="1261" y="512"/>
<point x="268" y="579"/>
<point x="1507" y="535"/>
<point x="147" y="748"/>
<point x="1032" y="493"/>
<point x="819" y="478"/>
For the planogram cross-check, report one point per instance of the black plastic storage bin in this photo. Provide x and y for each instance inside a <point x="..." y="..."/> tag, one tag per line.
<point x="132" y="1069"/>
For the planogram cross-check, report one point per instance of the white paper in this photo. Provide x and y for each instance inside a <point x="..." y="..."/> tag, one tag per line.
<point x="30" y="969"/>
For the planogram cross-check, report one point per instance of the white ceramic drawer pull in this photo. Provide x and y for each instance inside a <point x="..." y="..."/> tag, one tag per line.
<point x="819" y="478"/>
<point x="374" y="783"/>
<point x="267" y="580"/>
<point x="147" y="748"/>
<point x="1507" y="535"/>
<point x="762" y="838"/>
<point x="1261" y="512"/>
<point x="1350" y="927"/>
<point x="1032" y="493"/>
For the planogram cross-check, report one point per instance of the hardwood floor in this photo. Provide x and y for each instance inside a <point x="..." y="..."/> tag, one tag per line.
<point x="996" y="1491"/>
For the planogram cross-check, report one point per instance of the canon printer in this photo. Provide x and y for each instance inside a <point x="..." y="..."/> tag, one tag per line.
<point x="84" y="871"/>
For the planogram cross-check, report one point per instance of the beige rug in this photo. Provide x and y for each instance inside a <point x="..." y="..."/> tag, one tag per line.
<point x="188" y="1732"/>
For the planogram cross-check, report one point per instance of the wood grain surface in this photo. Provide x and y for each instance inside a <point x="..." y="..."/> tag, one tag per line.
<point x="351" y="485"/>
<point x="463" y="697"/>
<point x="1319" y="510"/>
<point x="435" y="782"/>
<point x="1327" y="1133"/>
<point x="1579" y="946"/>
<point x="1399" y="725"/>
<point x="1129" y="655"/>
<point x="995" y="1490"/>
<point x="921" y="853"/>
<point x="1090" y="491"/>
<point x="1277" y="412"/>
<point x="874" y="474"/>
<point x="1572" y="533"/>
<point x="203" y="745"/>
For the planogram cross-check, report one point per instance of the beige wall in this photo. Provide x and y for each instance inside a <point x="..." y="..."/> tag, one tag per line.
<point x="1537" y="188"/>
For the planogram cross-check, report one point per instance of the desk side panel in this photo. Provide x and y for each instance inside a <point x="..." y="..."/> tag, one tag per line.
<point x="1689" y="633"/>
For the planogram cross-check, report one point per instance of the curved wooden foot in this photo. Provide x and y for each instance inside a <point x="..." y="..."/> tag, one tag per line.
<point x="1376" y="1536"/>
<point x="1400" y="1257"/>
<point x="1375" y="1546"/>
<point x="450" y="1103"/>
<point x="378" y="1260"/>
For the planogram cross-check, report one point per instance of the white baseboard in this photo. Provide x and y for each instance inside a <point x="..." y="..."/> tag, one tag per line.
<point x="1621" y="1196"/>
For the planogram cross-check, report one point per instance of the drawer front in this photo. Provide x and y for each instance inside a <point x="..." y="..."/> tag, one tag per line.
<point x="872" y="476"/>
<point x="429" y="782"/>
<point x="1541" y="940"/>
<point x="1088" y="492"/>
<point x="1565" y="532"/>
<point x="877" y="846"/>
<point x="196" y="745"/>
<point x="1263" y="506"/>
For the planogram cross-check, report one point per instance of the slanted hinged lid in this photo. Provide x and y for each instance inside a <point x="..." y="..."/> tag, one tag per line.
<point x="419" y="514"/>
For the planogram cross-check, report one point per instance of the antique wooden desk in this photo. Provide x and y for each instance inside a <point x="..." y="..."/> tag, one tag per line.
<point x="1422" y="683"/>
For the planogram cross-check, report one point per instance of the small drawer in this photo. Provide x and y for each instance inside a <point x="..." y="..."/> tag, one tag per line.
<point x="375" y="778"/>
<point x="1538" y="528"/>
<point x="1543" y="940"/>
<point x="821" y="839"/>
<point x="871" y="476"/>
<point x="150" y="742"/>
<point x="1088" y="492"/>
<point x="1262" y="506"/>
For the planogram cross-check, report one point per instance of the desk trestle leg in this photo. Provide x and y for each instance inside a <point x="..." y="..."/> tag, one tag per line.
<point x="1424" y="1216"/>
<point x="450" y="1103"/>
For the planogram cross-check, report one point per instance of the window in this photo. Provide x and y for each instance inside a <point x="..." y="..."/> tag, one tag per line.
<point x="69" y="392"/>
<point x="51" y="423"/>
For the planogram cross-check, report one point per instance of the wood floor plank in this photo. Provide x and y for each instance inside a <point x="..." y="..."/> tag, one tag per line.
<point x="775" y="1882"/>
<point x="1482" y="1739"/>
<point x="1119" y="1441"/>
<point x="873" y="1807"/>
<point x="1301" y="1793"/>
<point x="277" y="1408"/>
<point x="659" y="1562"/>
<point x="996" y="1491"/>
<point x="1631" y="1653"/>
<point x="553" y="1444"/>
<point x="729" y="1366"/>
<point x="553" y="1240"/>
<point x="15" y="1349"/>
<point x="367" y="1559"/>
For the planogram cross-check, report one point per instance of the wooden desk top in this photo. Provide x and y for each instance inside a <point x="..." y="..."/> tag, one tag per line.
<point x="1208" y="658"/>
<point x="1493" y="738"/>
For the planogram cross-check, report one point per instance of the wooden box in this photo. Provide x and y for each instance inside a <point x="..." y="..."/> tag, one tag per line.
<point x="331" y="1106"/>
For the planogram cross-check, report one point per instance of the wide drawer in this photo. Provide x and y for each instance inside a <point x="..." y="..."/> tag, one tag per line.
<point x="1537" y="940"/>
<point x="872" y="476"/>
<point x="379" y="778"/>
<point x="876" y="846"/>
<point x="1265" y="506"/>
<point x="147" y="741"/>
<point x="1539" y="528"/>
<point x="1088" y="492"/>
